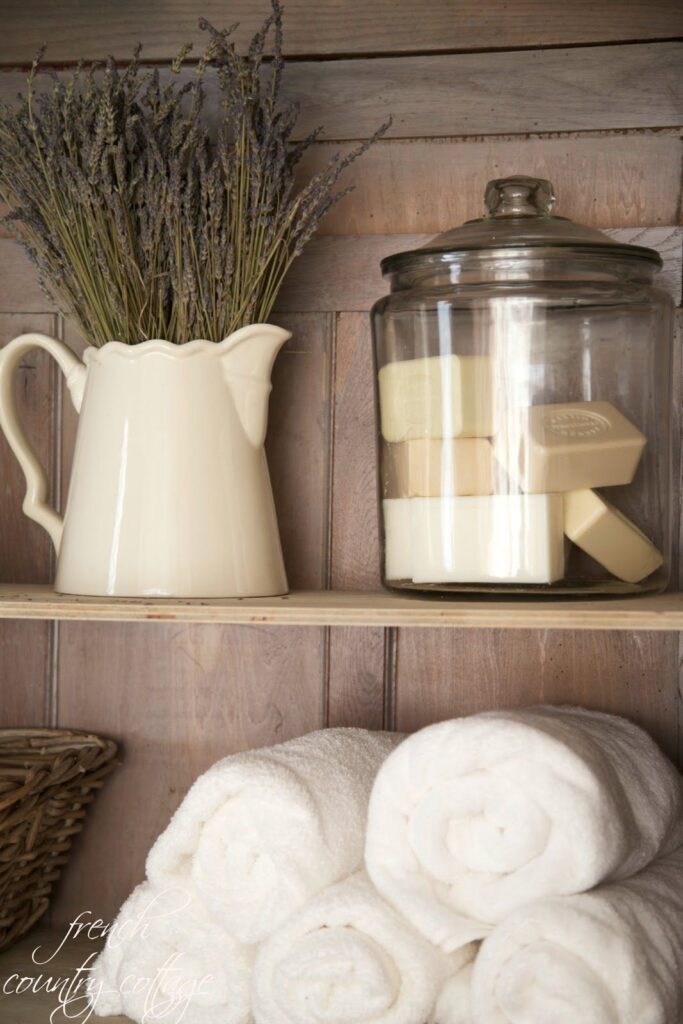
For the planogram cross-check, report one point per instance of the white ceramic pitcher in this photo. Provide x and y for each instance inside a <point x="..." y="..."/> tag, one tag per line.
<point x="170" y="494"/>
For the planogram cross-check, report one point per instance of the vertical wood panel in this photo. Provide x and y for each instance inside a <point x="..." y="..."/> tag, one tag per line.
<point x="25" y="548"/>
<point x="355" y="543"/>
<point x="298" y="443"/>
<point x="25" y="665"/>
<point x="177" y="698"/>
<point x="356" y="657"/>
<point x="448" y="673"/>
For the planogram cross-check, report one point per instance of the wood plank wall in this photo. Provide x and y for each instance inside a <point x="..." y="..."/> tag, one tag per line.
<point x="587" y="94"/>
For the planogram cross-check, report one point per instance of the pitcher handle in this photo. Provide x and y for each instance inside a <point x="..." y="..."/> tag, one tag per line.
<point x="35" y="504"/>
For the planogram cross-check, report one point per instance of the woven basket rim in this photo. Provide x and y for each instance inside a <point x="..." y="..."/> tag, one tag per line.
<point x="16" y="739"/>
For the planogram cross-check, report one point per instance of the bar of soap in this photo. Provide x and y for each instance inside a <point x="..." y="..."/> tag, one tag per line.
<point x="608" y="536"/>
<point x="499" y="538"/>
<point x="398" y="547"/>
<point x="438" y="396"/>
<point x="569" y="447"/>
<point x="426" y="468"/>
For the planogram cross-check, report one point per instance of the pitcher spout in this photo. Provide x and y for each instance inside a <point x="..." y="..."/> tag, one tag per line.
<point x="247" y="359"/>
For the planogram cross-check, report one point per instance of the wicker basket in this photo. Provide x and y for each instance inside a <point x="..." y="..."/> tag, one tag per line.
<point x="47" y="779"/>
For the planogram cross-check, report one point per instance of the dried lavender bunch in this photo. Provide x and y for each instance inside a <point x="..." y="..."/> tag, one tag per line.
<point x="141" y="223"/>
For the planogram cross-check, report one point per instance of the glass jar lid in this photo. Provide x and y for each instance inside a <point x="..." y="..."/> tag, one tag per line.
<point x="518" y="218"/>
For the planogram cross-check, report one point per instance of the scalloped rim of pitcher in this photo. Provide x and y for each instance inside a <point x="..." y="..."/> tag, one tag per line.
<point x="160" y="346"/>
<point x="154" y="346"/>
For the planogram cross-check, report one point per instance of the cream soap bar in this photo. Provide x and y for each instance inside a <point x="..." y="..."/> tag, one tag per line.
<point x="515" y="538"/>
<point x="398" y="548"/>
<point x="439" y="396"/>
<point x="569" y="447"/>
<point x="481" y="539"/>
<point x="604" y="533"/>
<point x="427" y="468"/>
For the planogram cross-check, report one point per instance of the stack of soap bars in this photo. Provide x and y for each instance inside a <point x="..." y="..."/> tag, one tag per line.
<point x="475" y="497"/>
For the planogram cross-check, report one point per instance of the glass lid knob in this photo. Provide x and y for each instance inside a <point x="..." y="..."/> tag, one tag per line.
<point x="519" y="196"/>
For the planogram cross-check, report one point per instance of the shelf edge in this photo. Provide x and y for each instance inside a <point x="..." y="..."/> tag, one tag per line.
<point x="342" y="608"/>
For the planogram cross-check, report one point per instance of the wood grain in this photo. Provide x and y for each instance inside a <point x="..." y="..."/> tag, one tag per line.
<point x="580" y="89"/>
<point x="178" y="698"/>
<point x="356" y="663"/>
<point x="25" y="548"/>
<point x="297" y="446"/>
<point x="521" y="91"/>
<point x="82" y="29"/>
<point x="355" y="544"/>
<point x="447" y="673"/>
<point x="19" y="288"/>
<point x="342" y="272"/>
<point x="25" y="673"/>
<point x="431" y="185"/>
<point x="657" y="613"/>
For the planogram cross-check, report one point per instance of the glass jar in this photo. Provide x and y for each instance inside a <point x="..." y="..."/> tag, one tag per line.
<point x="523" y="369"/>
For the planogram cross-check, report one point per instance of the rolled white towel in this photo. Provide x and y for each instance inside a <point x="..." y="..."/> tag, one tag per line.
<point x="262" y="831"/>
<point x="472" y="818"/>
<point x="347" y="957"/>
<point x="611" y="956"/>
<point x="164" y="960"/>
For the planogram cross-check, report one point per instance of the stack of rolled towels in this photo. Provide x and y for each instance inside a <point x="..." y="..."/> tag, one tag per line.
<point x="520" y="867"/>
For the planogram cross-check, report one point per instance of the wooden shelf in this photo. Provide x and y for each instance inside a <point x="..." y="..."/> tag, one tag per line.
<point x="341" y="608"/>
